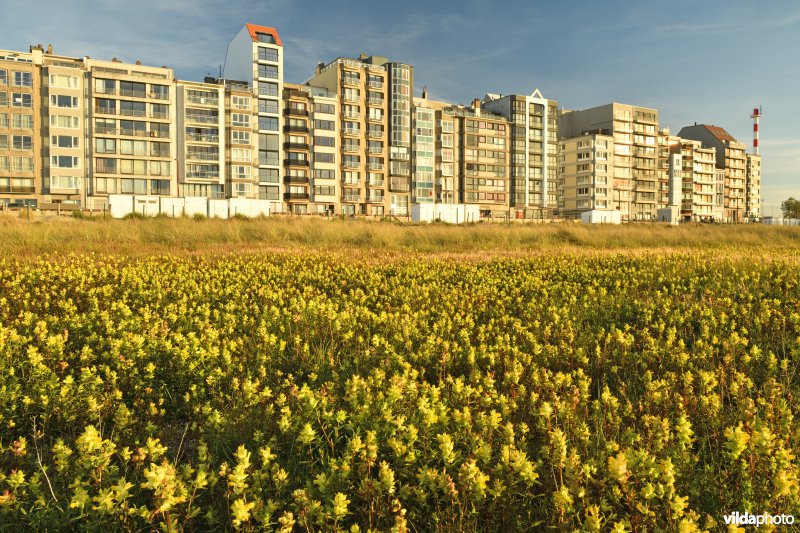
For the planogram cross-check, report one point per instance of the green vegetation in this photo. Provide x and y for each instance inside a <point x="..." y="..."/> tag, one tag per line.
<point x="568" y="389"/>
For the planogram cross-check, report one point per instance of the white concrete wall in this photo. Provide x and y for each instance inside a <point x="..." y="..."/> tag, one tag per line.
<point x="121" y="205"/>
<point x="601" y="217"/>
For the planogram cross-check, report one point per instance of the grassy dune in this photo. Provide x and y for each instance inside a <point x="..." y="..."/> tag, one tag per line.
<point x="19" y="237"/>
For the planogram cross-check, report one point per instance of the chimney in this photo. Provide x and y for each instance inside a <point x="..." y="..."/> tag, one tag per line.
<point x="138" y="62"/>
<point x="362" y="56"/>
<point x="424" y="92"/>
<point x="476" y="106"/>
<point x="319" y="68"/>
<point x="50" y="49"/>
<point x="114" y="60"/>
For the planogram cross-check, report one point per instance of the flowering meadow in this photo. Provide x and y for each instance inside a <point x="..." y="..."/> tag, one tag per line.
<point x="568" y="391"/>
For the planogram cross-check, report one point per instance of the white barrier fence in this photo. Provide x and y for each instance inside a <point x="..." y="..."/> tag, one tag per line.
<point x="452" y="213"/>
<point x="780" y="221"/>
<point x="121" y="205"/>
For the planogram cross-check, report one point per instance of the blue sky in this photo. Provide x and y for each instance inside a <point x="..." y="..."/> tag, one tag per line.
<point x="709" y="61"/>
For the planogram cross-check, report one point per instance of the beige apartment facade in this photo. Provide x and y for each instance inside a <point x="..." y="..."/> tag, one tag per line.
<point x="361" y="91"/>
<point x="533" y="151"/>
<point x="753" y="187"/>
<point x="20" y="129"/>
<point x="731" y="158"/>
<point x="586" y="174"/>
<point x="200" y="133"/>
<point x="132" y="114"/>
<point x="698" y="181"/>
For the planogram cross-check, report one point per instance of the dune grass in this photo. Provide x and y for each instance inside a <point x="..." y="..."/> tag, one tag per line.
<point x="19" y="237"/>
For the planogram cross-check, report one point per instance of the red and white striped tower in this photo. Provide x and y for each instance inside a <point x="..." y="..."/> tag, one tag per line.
<point x="755" y="115"/>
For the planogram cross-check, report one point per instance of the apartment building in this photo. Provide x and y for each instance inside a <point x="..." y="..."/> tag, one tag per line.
<point x="201" y="140"/>
<point x="132" y="112"/>
<point x="361" y="93"/>
<point x="586" y="174"/>
<point x="64" y="130"/>
<point x="753" y="186"/>
<point x="635" y="130"/>
<point x="326" y="187"/>
<point x="533" y="151"/>
<point x="297" y="146"/>
<point x="697" y="168"/>
<point x="483" y="165"/>
<point x="20" y="129"/>
<point x="731" y="158"/>
<point x="255" y="55"/>
<point x="423" y="159"/>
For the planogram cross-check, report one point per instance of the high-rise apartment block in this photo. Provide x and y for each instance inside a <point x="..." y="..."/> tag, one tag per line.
<point x="353" y="140"/>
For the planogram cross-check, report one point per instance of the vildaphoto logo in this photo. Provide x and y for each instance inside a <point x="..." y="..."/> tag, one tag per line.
<point x="758" y="520"/>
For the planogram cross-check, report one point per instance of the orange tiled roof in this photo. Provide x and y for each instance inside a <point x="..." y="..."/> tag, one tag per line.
<point x="253" y="29"/>
<point x="720" y="133"/>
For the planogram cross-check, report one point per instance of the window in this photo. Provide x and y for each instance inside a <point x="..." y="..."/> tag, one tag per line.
<point x="132" y="186"/>
<point x="240" y="172"/>
<point x="63" y="121"/>
<point x="324" y="174"/>
<point x="159" y="187"/>
<point x="61" y="80"/>
<point x="240" y="137"/>
<point x="324" y="190"/>
<point x="324" y="125"/>
<point x="241" y="120"/>
<point x="268" y="123"/>
<point x="23" y="79"/>
<point x="268" y="106"/>
<point x="268" y="175"/>
<point x="267" y="54"/>
<point x="21" y="100"/>
<point x="3" y="142"/>
<point x="22" y="142"/>
<point x="3" y="120"/>
<point x="241" y="154"/>
<point x="583" y="191"/>
<point x="22" y="122"/>
<point x="132" y="147"/>
<point x="351" y="177"/>
<point x="59" y="100"/>
<point x="105" y="165"/>
<point x="23" y="164"/>
<point x="268" y="71"/>
<point x="160" y="92"/>
<point x="265" y="38"/>
<point x="63" y="141"/>
<point x="159" y="168"/>
<point x="65" y="161"/>
<point x="267" y="89"/>
<point x="324" y="158"/>
<point x="3" y="77"/>
<point x="329" y="109"/>
<point x="3" y="98"/>
<point x="65" y="182"/>
<point x="240" y="102"/>
<point x="130" y="166"/>
<point x="105" y="185"/>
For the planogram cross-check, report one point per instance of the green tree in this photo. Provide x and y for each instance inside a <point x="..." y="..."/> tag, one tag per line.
<point x="791" y="208"/>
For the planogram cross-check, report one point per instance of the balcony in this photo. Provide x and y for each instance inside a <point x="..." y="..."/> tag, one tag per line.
<point x="133" y="94"/>
<point x="158" y="134"/>
<point x="295" y="112"/>
<point x="375" y="166"/>
<point x="106" y="130"/>
<point x="159" y="153"/>
<point x="17" y="190"/>
<point x="351" y="198"/>
<point x="376" y="101"/>
<point x="375" y="84"/>
<point x="374" y="118"/>
<point x="296" y="162"/>
<point x="159" y="96"/>
<point x="299" y="180"/>
<point x="353" y="82"/>
<point x="351" y="131"/>
<point x="350" y="164"/>
<point x="375" y="199"/>
<point x="197" y="137"/>
<point x="202" y="175"/>
<point x="132" y="112"/>
<point x="106" y="169"/>
<point x="267" y="162"/>
<point x="295" y="146"/>
<point x="159" y="115"/>
<point x="350" y="98"/>
<point x="399" y="184"/>
<point x="375" y="149"/>
<point x="105" y="90"/>
<point x="134" y="133"/>
<point x="202" y="119"/>
<point x="295" y="196"/>
<point x="351" y="148"/>
<point x="374" y="134"/>
<point x="203" y="100"/>
<point x="100" y="110"/>
<point x="350" y="115"/>
<point x="295" y="129"/>
<point x="202" y="156"/>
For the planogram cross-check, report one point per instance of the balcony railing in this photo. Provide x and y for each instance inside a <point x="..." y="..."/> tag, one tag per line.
<point x="159" y="96"/>
<point x="375" y="101"/>
<point x="375" y="149"/>
<point x="296" y="179"/>
<point x="202" y="156"/>
<point x="375" y="166"/>
<point x="295" y="146"/>
<point x="295" y="129"/>
<point x="202" y="174"/>
<point x="133" y="133"/>
<point x="106" y="169"/>
<point x="374" y="134"/>
<point x="350" y="131"/>
<point x="375" y="199"/>
<point x="159" y="115"/>
<point x="399" y="185"/>
<point x="105" y="110"/>
<point x="195" y="137"/>
<point x="375" y="84"/>
<point x="268" y="161"/>
<point x="159" y="153"/>
<point x="351" y="115"/>
<point x="296" y="162"/>
<point x="133" y="94"/>
<point x="351" y="148"/>
<point x="203" y="100"/>
<point x="350" y="164"/>
<point x="202" y="119"/>
<point x="132" y="112"/>
<point x="295" y="112"/>
<point x="296" y="196"/>
<point x="104" y="90"/>
<point x="159" y="134"/>
<point x="350" y="81"/>
<point x="375" y="118"/>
